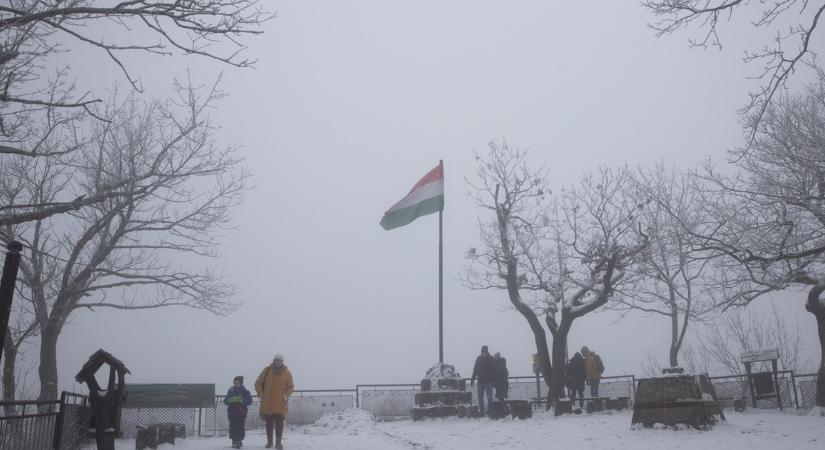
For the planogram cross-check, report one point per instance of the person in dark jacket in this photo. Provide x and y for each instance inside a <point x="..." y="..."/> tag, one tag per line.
<point x="237" y="403"/>
<point x="502" y="383"/>
<point x="485" y="371"/>
<point x="575" y="377"/>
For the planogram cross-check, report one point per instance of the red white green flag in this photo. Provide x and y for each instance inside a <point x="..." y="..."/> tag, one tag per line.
<point x="426" y="197"/>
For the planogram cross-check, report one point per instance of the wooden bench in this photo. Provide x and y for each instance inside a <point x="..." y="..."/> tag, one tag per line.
<point x="150" y="436"/>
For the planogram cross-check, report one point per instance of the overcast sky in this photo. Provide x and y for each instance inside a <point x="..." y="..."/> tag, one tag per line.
<point x="350" y="104"/>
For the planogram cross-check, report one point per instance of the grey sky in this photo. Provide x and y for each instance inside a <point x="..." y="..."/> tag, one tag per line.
<point x="350" y="104"/>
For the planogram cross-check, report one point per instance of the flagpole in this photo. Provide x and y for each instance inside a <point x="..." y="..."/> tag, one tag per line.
<point x="440" y="284"/>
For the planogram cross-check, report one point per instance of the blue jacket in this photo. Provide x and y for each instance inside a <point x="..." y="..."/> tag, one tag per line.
<point x="237" y="396"/>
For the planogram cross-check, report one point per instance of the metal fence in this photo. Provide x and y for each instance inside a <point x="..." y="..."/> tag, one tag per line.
<point x="806" y="385"/>
<point x="28" y="425"/>
<point x="387" y="401"/>
<point x="73" y="422"/>
<point x="304" y="407"/>
<point x="731" y="387"/>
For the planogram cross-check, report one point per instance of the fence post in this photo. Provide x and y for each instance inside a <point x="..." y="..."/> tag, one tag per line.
<point x="357" y="396"/>
<point x="58" y="426"/>
<point x="793" y="385"/>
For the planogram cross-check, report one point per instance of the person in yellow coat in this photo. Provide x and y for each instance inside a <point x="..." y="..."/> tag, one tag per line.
<point x="274" y="386"/>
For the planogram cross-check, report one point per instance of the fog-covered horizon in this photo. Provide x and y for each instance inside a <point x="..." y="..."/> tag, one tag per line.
<point x="349" y="105"/>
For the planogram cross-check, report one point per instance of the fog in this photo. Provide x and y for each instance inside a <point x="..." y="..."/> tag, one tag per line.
<point x="349" y="105"/>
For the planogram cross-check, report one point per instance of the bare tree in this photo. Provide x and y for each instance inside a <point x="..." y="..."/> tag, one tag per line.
<point x="175" y="189"/>
<point x="674" y="280"/>
<point x="791" y="44"/>
<point x="561" y="260"/>
<point x="738" y="330"/>
<point x="598" y="242"/>
<point x="42" y="114"/>
<point x="770" y="217"/>
<point x="517" y="196"/>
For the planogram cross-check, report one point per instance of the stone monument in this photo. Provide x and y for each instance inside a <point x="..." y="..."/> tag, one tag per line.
<point x="677" y="398"/>
<point x="443" y="394"/>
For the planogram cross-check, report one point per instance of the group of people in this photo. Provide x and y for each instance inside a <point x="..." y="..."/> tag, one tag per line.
<point x="273" y="386"/>
<point x="491" y="371"/>
<point x="584" y="367"/>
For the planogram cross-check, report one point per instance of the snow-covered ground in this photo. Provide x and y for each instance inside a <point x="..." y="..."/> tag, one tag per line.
<point x="355" y="429"/>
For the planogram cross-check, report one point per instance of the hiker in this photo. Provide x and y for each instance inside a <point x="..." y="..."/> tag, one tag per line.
<point x="502" y="383"/>
<point x="274" y="386"/>
<point x="485" y="371"/>
<point x="593" y="369"/>
<point x="575" y="377"/>
<point x="237" y="403"/>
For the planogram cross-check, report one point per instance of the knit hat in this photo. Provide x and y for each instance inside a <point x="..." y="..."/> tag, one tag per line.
<point x="238" y="378"/>
<point x="278" y="356"/>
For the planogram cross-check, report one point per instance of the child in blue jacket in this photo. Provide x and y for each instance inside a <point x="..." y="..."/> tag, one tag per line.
<point x="237" y="400"/>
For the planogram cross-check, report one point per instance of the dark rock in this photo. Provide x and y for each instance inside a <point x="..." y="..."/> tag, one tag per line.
<point x="522" y="409"/>
<point x="563" y="406"/>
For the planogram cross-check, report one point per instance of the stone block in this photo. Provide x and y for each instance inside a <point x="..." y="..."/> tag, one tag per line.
<point x="617" y="404"/>
<point x="443" y="398"/>
<point x="522" y="409"/>
<point x="563" y="406"/>
<point x="426" y="385"/>
<point x="497" y="410"/>
<point x="594" y="405"/>
<point x="739" y="404"/>
<point x="146" y="438"/>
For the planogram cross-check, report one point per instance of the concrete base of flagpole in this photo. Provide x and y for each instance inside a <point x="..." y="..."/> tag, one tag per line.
<point x="443" y="394"/>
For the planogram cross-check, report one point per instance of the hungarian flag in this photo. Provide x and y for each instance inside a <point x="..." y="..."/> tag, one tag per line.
<point x="426" y="197"/>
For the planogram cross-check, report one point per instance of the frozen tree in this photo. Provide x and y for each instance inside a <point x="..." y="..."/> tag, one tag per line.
<point x="596" y="244"/>
<point x="42" y="112"/>
<point x="516" y="196"/>
<point x="561" y="259"/>
<point x="175" y="188"/>
<point x="769" y="218"/>
<point x="674" y="281"/>
<point x="793" y="24"/>
<point x="737" y="330"/>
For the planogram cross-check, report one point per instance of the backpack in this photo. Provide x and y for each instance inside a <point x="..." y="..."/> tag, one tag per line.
<point x="599" y="364"/>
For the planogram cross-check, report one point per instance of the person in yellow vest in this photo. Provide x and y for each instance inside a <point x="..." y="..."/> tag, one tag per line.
<point x="593" y="369"/>
<point x="274" y="386"/>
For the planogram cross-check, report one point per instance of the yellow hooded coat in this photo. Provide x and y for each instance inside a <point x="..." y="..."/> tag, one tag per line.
<point x="591" y="366"/>
<point x="274" y="386"/>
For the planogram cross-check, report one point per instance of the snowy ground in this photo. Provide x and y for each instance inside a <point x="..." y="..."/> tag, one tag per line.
<point x="355" y="429"/>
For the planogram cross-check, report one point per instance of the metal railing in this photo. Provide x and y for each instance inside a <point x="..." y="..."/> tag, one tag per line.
<point x="731" y="387"/>
<point x="305" y="407"/>
<point x="806" y="386"/>
<point x="387" y="401"/>
<point x="28" y="425"/>
<point x="71" y="429"/>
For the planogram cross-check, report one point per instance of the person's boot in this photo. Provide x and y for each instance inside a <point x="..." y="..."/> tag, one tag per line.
<point x="278" y="445"/>
<point x="269" y="442"/>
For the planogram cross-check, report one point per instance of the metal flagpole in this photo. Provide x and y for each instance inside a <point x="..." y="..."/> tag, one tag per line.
<point x="440" y="281"/>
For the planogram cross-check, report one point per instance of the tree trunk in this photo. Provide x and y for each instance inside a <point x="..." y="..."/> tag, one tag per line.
<point x="674" y="334"/>
<point x="48" y="361"/>
<point x="817" y="308"/>
<point x="9" y="382"/>
<point x="559" y="359"/>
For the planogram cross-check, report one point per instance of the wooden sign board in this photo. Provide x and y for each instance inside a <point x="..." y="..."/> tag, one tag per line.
<point x="170" y="396"/>
<point x="760" y="354"/>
